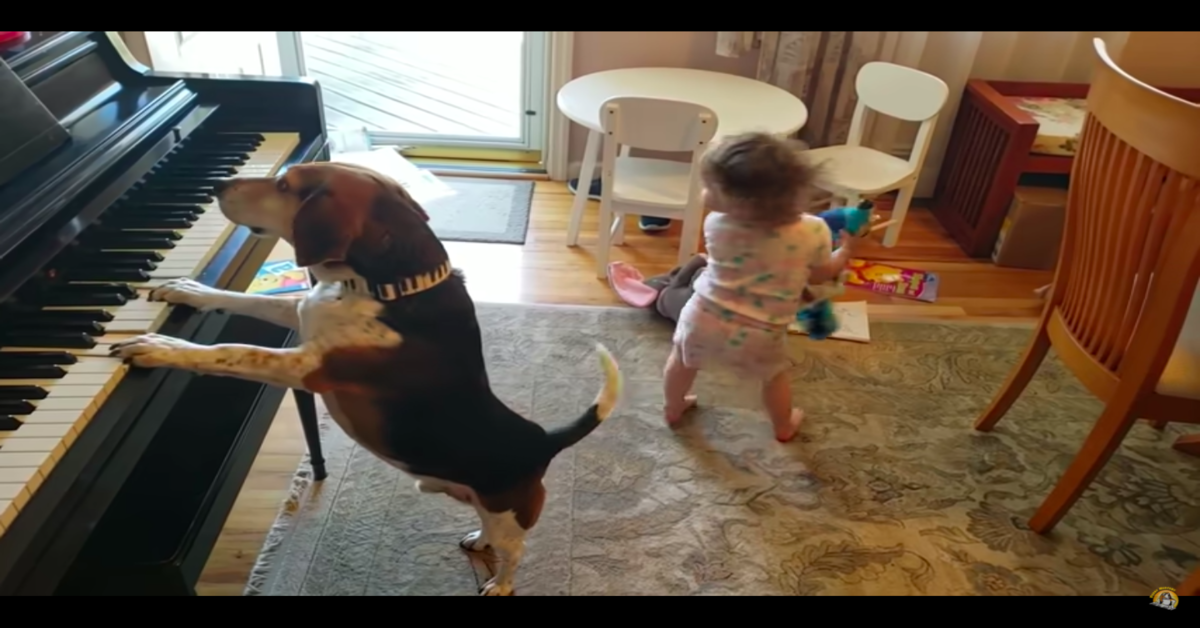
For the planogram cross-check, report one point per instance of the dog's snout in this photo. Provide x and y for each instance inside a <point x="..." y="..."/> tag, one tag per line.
<point x="221" y="185"/>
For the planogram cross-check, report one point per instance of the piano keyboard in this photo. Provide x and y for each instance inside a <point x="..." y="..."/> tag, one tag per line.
<point x="55" y="372"/>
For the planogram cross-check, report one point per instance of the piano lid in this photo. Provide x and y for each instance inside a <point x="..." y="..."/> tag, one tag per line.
<point x="28" y="131"/>
<point x="108" y="109"/>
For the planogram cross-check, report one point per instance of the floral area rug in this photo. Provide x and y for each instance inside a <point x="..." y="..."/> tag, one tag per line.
<point x="888" y="491"/>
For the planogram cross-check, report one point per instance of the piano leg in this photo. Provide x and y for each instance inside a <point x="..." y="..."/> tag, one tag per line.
<point x="306" y="403"/>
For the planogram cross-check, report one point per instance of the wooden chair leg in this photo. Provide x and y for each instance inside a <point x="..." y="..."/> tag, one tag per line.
<point x="899" y="212"/>
<point x="1104" y="439"/>
<point x="1191" y="586"/>
<point x="1189" y="445"/>
<point x="1018" y="379"/>
<point x="306" y="404"/>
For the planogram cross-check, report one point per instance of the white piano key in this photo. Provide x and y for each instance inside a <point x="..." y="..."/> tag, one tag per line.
<point x="10" y="491"/>
<point x="24" y="445"/>
<point x="56" y="417"/>
<point x="17" y="475"/>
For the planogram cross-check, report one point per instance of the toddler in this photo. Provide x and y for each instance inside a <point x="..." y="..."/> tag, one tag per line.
<point x="763" y="251"/>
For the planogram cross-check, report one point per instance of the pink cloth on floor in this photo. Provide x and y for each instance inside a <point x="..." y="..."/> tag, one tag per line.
<point x="626" y="281"/>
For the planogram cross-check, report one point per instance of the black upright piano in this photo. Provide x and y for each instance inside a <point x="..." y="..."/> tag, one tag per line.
<point x="106" y="171"/>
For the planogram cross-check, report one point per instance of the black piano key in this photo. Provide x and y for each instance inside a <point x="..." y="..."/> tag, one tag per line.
<point x="167" y="184"/>
<point x="16" y="407"/>
<point x="168" y="198"/>
<point x="135" y="215"/>
<point x="87" y="257"/>
<point x="45" y="338"/>
<point x="22" y="392"/>
<point x="10" y="359"/>
<point x="246" y="145"/>
<point x="131" y="275"/>
<point x="237" y="135"/>
<point x="192" y="211"/>
<point x="56" y="317"/>
<point x="131" y="242"/>
<point x="94" y="288"/>
<point x="31" y="372"/>
<point x="99" y="299"/>
<point x="90" y="328"/>
<point x="220" y="150"/>
<point x="229" y="137"/>
<point x="144" y="221"/>
<point x="168" y="180"/>
<point x="52" y="318"/>
<point x="125" y="264"/>
<point x="200" y="171"/>
<point x="212" y="160"/>
<point x="9" y="423"/>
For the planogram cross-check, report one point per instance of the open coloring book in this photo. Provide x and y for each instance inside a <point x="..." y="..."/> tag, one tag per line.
<point x="852" y="322"/>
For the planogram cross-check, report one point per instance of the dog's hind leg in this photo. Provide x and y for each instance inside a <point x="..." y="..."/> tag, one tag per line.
<point x="504" y="534"/>
<point x="506" y="519"/>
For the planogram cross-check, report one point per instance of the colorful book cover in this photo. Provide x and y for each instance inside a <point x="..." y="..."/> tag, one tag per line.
<point x="279" y="278"/>
<point x="892" y="280"/>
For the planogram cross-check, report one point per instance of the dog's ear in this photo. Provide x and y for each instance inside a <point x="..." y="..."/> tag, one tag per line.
<point x="324" y="228"/>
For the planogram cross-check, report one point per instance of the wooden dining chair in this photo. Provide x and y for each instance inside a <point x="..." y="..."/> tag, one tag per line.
<point x="1123" y="312"/>
<point x="1191" y="586"/>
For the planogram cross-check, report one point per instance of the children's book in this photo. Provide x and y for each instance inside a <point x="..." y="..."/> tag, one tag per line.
<point x="852" y="322"/>
<point x="892" y="280"/>
<point x="420" y="184"/>
<point x="279" y="278"/>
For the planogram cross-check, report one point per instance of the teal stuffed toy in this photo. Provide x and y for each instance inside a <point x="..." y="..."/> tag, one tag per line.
<point x="818" y="320"/>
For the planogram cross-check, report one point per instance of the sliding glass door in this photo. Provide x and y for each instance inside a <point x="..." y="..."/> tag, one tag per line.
<point x="435" y="89"/>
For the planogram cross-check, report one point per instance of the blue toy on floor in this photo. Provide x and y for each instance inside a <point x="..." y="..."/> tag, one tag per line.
<point x="818" y="320"/>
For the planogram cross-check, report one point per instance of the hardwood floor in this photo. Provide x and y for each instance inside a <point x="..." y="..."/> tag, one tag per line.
<point x="544" y="270"/>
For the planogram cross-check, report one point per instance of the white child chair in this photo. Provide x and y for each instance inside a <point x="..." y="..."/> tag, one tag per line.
<point x="646" y="186"/>
<point x="852" y="171"/>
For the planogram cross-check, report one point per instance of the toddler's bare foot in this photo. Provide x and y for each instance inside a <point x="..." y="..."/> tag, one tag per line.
<point x="792" y="428"/>
<point x="675" y="414"/>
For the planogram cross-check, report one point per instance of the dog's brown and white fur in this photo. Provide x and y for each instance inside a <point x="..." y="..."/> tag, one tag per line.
<point x="402" y="374"/>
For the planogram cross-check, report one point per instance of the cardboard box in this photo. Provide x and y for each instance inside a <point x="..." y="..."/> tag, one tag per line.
<point x="1032" y="231"/>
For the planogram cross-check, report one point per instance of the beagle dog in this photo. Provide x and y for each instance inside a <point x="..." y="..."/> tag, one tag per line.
<point x="391" y="343"/>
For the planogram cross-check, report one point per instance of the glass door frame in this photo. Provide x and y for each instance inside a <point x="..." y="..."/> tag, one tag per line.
<point x="535" y="71"/>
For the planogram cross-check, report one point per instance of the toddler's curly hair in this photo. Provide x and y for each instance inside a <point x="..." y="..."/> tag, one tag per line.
<point x="762" y="174"/>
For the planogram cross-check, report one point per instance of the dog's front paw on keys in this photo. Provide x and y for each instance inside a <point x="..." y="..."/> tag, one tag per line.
<point x="149" y="350"/>
<point x="183" y="291"/>
<point x="495" y="589"/>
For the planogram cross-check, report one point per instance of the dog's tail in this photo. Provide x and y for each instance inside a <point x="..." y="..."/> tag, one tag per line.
<point x="566" y="436"/>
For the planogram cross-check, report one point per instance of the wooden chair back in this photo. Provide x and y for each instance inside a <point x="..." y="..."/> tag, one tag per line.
<point x="1131" y="249"/>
